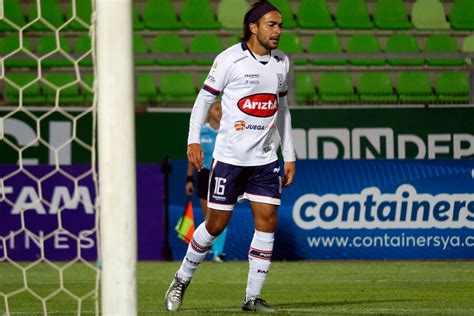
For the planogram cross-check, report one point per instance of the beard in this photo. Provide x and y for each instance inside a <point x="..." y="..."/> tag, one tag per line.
<point x="268" y="43"/>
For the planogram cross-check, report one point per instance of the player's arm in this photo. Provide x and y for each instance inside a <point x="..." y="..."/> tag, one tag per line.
<point x="198" y="116"/>
<point x="213" y="86"/>
<point x="288" y="149"/>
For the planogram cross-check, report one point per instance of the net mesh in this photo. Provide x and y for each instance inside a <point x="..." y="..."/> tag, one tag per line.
<point x="48" y="181"/>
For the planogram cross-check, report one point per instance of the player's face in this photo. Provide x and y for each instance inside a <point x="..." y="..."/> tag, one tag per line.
<point x="216" y="111"/>
<point x="269" y="30"/>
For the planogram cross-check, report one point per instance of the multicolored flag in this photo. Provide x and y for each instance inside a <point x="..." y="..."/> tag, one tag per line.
<point x="185" y="226"/>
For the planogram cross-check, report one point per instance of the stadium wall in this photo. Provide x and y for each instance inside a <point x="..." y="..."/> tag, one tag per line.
<point x="361" y="175"/>
<point x="383" y="133"/>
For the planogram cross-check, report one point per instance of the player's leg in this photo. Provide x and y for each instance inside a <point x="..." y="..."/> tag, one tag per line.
<point x="202" y="189"/>
<point x="225" y="185"/>
<point x="220" y="204"/>
<point x="260" y="254"/>
<point x="265" y="216"/>
<point x="199" y="246"/>
<point x="263" y="191"/>
<point x="218" y="247"/>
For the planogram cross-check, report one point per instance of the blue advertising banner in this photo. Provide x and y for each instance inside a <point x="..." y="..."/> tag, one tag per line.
<point x="361" y="209"/>
<point x="42" y="207"/>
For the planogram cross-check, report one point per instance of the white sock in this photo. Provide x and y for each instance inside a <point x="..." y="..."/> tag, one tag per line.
<point x="260" y="258"/>
<point x="197" y="250"/>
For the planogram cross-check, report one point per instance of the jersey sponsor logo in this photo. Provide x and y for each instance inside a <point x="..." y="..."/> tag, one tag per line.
<point x="255" y="127"/>
<point x="260" y="127"/>
<point x="259" y="105"/>
<point x="239" y="125"/>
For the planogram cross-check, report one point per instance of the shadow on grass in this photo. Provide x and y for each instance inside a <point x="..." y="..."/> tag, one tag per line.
<point x="304" y="305"/>
<point x="294" y="308"/>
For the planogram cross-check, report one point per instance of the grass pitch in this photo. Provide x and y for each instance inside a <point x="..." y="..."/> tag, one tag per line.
<point x="293" y="288"/>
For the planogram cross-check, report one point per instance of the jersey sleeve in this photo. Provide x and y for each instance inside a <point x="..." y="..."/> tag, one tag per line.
<point x="198" y="115"/>
<point x="218" y="76"/>
<point x="284" y="121"/>
<point x="285" y="130"/>
<point x="284" y="89"/>
<point x="213" y="86"/>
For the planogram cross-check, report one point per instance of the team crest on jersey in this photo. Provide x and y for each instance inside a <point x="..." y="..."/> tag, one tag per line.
<point x="259" y="105"/>
<point x="281" y="81"/>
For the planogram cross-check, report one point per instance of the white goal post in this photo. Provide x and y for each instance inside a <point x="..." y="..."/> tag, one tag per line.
<point x="116" y="135"/>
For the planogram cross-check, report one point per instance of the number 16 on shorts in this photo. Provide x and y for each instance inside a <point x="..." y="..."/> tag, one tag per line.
<point x="219" y="188"/>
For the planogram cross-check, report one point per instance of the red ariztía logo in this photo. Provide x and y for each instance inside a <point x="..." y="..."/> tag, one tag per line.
<point x="260" y="105"/>
<point x="239" y="125"/>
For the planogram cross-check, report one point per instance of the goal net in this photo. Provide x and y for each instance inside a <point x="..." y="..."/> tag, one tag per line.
<point x="49" y="245"/>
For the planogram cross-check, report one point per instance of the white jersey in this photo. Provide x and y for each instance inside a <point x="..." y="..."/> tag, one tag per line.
<point x="252" y="95"/>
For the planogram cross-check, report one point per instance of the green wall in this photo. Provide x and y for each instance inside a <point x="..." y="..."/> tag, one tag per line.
<point x="165" y="134"/>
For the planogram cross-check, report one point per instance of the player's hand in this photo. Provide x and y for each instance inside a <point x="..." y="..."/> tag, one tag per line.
<point x="189" y="188"/>
<point x="288" y="173"/>
<point x="195" y="156"/>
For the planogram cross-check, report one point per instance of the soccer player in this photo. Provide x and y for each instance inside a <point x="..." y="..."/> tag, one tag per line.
<point x="208" y="140"/>
<point x="251" y="78"/>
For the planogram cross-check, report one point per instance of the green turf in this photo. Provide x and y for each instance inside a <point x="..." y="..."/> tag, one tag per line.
<point x="293" y="288"/>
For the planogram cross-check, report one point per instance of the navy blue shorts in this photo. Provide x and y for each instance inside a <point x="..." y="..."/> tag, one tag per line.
<point x="230" y="184"/>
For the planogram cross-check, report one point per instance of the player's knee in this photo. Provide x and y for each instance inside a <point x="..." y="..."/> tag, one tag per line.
<point x="266" y="223"/>
<point x="272" y="222"/>
<point x="216" y="222"/>
<point x="215" y="228"/>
